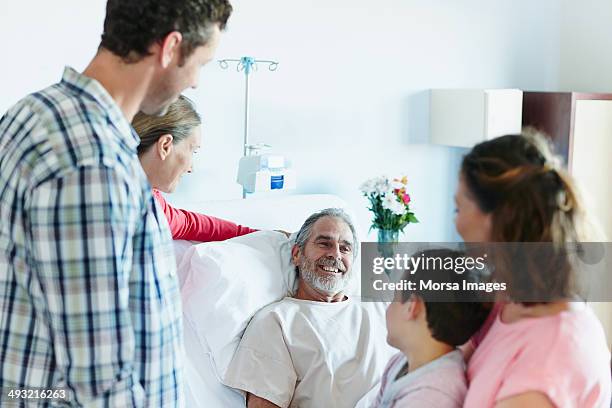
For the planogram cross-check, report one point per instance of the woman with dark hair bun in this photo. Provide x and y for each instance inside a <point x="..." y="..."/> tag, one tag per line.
<point x="530" y="354"/>
<point x="167" y="144"/>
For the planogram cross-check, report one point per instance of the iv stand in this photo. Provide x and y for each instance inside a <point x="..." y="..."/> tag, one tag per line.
<point x="247" y="64"/>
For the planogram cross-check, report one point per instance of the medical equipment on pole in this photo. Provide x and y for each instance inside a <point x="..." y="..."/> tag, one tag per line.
<point x="258" y="171"/>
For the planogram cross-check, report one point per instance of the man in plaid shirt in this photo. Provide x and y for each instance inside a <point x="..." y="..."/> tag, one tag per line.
<point x="88" y="294"/>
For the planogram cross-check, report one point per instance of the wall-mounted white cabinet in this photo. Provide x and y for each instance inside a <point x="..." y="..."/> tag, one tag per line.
<point x="464" y="117"/>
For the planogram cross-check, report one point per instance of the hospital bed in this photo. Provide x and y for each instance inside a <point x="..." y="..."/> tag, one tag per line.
<point x="223" y="283"/>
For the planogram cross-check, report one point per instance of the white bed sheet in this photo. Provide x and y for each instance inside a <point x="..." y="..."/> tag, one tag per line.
<point x="203" y="387"/>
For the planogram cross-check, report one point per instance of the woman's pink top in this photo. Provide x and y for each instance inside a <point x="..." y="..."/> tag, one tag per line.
<point x="198" y="227"/>
<point x="563" y="356"/>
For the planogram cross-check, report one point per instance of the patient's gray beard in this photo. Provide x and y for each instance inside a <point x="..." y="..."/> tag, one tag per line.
<point x="327" y="284"/>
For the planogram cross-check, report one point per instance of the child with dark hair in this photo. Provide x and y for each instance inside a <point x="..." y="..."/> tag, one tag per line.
<point x="427" y="327"/>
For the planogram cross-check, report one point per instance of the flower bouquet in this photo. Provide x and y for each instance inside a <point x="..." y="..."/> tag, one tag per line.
<point x="390" y="203"/>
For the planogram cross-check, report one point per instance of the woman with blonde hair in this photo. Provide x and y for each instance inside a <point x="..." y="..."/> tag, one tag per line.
<point x="543" y="353"/>
<point x="167" y="144"/>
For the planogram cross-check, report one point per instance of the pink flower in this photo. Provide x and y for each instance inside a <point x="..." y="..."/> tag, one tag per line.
<point x="406" y="198"/>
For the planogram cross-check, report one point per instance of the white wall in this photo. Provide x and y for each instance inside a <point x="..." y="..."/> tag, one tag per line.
<point x="348" y="101"/>
<point x="586" y="53"/>
<point x="39" y="38"/>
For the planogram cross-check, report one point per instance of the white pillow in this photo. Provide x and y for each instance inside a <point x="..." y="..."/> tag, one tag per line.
<point x="223" y="284"/>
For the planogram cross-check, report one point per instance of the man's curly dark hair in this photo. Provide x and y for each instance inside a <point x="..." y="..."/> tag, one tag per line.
<point x="131" y="26"/>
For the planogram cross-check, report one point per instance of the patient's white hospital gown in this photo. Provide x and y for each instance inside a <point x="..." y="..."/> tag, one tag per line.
<point x="302" y="353"/>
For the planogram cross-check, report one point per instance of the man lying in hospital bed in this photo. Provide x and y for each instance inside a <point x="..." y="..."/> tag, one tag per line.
<point x="319" y="347"/>
<point x="224" y="284"/>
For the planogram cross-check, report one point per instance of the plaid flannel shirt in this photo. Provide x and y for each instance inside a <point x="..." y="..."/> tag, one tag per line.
<point x="89" y="299"/>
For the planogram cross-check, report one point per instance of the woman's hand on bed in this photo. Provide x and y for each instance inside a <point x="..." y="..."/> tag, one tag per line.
<point x="253" y="401"/>
<point x="287" y="234"/>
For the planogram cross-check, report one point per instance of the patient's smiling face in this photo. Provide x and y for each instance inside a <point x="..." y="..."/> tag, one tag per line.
<point x="326" y="261"/>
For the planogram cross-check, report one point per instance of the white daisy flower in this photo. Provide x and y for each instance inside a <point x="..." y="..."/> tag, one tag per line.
<point x="390" y="202"/>
<point x="377" y="185"/>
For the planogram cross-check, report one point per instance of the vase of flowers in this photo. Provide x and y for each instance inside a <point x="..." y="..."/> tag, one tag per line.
<point x="385" y="235"/>
<point x="390" y="203"/>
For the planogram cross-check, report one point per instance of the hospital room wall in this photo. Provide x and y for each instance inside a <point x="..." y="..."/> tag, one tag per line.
<point x="586" y="55"/>
<point x="349" y="100"/>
